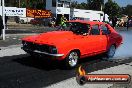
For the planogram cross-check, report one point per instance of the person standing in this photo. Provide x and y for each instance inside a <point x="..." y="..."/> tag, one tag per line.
<point x="63" y="20"/>
<point x="53" y="22"/>
<point x="128" y="22"/>
<point x="1" y="25"/>
<point x="17" y="19"/>
<point x="114" y="20"/>
<point x="6" y="18"/>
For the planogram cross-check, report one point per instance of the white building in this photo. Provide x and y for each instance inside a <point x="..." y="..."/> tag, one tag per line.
<point x="59" y="7"/>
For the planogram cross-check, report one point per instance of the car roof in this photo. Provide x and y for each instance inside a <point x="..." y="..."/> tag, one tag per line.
<point x="87" y="22"/>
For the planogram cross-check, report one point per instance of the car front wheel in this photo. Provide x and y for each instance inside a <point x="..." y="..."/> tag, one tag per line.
<point x="72" y="59"/>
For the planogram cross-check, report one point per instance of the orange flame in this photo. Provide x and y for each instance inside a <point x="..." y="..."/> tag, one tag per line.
<point x="81" y="71"/>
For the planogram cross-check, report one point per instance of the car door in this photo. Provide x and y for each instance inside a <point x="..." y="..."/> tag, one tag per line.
<point x="83" y="38"/>
<point x="94" y="39"/>
<point x="105" y="37"/>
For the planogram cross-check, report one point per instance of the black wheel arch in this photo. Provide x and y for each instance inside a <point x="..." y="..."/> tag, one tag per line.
<point x="76" y="50"/>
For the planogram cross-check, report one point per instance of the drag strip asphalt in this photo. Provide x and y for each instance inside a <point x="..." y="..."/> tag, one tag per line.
<point x="23" y="71"/>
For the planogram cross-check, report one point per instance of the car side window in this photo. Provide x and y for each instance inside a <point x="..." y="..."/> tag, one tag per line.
<point x="105" y="30"/>
<point x="95" y="30"/>
<point x="84" y="28"/>
<point x="80" y="28"/>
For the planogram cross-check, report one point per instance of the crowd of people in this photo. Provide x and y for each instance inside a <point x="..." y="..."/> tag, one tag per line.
<point x="116" y="22"/>
<point x="62" y="23"/>
<point x="53" y="22"/>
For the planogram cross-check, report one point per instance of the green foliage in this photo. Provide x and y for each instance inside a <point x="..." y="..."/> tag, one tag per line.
<point x="95" y="4"/>
<point x="23" y="4"/>
<point x="91" y="4"/>
<point x="112" y="9"/>
<point x="36" y="4"/>
<point x="76" y="5"/>
<point x="127" y="10"/>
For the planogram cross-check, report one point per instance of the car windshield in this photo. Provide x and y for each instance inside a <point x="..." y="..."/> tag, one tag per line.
<point x="76" y="27"/>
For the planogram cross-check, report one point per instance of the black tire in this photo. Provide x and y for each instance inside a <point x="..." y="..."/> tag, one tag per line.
<point x="22" y="21"/>
<point x="111" y="52"/>
<point x="71" y="60"/>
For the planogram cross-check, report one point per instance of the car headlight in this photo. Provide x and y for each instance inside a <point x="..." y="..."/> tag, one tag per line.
<point x="53" y="50"/>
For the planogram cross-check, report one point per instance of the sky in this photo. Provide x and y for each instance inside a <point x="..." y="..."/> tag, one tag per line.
<point x="121" y="3"/>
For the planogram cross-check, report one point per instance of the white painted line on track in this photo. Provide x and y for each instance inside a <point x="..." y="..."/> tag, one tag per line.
<point x="22" y="34"/>
<point x="14" y="38"/>
<point x="11" y="51"/>
<point x="7" y="37"/>
<point x="11" y="46"/>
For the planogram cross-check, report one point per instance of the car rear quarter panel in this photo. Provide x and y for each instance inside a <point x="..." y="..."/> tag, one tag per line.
<point x="117" y="39"/>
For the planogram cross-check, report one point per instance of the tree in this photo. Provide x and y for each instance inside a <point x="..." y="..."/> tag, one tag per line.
<point x="35" y="4"/>
<point x="112" y="9"/>
<point x="23" y="4"/>
<point x="127" y="10"/>
<point x="95" y="4"/>
<point x="76" y="5"/>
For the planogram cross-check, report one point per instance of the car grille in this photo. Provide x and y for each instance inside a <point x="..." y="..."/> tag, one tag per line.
<point x="33" y="46"/>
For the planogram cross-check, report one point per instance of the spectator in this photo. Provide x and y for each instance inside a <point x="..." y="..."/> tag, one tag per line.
<point x="6" y="18"/>
<point x="63" y="20"/>
<point x="121" y="23"/>
<point x="53" y="22"/>
<point x="128" y="23"/>
<point x="1" y="25"/>
<point x="54" y="19"/>
<point x="114" y="20"/>
<point x="17" y="19"/>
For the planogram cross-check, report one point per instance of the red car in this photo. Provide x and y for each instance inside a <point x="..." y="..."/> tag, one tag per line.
<point x="77" y="40"/>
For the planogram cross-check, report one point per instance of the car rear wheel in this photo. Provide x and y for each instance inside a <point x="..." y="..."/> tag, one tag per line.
<point x="110" y="53"/>
<point x="72" y="59"/>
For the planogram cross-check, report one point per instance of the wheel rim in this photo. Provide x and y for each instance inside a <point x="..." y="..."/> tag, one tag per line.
<point x="111" y="51"/>
<point x="73" y="58"/>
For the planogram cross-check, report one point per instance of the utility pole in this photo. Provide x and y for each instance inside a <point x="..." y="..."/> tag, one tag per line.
<point x="3" y="15"/>
<point x="104" y="10"/>
<point x="0" y="2"/>
<point x="19" y="3"/>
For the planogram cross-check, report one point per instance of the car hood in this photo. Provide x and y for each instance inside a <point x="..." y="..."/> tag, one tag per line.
<point x="54" y="37"/>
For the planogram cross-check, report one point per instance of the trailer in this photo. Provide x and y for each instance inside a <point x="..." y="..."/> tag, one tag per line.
<point x="90" y="15"/>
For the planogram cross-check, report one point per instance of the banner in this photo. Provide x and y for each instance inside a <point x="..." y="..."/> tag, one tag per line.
<point x="35" y="13"/>
<point x="82" y="78"/>
<point x="14" y="11"/>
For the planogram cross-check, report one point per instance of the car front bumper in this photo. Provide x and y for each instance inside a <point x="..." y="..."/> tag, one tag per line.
<point x="43" y="53"/>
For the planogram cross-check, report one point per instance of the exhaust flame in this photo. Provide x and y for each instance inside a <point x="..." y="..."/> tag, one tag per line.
<point x="81" y="71"/>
